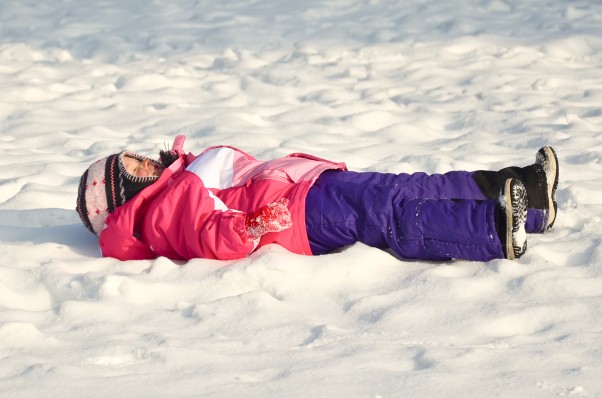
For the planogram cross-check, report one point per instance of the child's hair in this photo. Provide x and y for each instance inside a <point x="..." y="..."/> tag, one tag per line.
<point x="168" y="157"/>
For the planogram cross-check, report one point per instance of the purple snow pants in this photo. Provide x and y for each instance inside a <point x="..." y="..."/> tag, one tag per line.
<point x="417" y="216"/>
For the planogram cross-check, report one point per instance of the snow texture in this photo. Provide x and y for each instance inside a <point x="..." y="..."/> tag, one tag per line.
<point x="384" y="85"/>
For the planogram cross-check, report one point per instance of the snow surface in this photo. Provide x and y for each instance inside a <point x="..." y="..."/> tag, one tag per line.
<point x="385" y="85"/>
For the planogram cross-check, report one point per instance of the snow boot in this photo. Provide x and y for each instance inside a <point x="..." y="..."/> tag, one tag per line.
<point x="540" y="180"/>
<point x="511" y="215"/>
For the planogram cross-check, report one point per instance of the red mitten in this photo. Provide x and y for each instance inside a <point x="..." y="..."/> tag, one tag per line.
<point x="274" y="217"/>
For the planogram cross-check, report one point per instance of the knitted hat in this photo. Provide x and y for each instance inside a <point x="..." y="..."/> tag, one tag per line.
<point x="107" y="185"/>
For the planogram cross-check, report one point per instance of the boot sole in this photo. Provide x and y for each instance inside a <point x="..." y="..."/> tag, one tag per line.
<point x="546" y="156"/>
<point x="515" y="197"/>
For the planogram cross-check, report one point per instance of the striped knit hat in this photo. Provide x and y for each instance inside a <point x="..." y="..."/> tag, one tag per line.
<point x="107" y="185"/>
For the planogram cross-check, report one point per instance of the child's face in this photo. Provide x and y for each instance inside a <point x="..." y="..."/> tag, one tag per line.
<point x="142" y="168"/>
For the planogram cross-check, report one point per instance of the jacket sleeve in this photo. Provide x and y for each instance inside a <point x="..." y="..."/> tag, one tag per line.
<point x="189" y="221"/>
<point x="116" y="242"/>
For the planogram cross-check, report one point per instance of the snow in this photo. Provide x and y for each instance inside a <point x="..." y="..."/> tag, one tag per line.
<point x="384" y="85"/>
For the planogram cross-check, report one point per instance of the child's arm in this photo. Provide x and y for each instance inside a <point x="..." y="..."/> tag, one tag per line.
<point x="229" y="234"/>
<point x="189" y="221"/>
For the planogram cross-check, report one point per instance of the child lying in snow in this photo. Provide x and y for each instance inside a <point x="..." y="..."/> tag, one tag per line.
<point x="224" y="204"/>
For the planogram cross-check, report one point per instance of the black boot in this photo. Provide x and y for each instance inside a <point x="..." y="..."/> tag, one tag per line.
<point x="540" y="179"/>
<point x="533" y="178"/>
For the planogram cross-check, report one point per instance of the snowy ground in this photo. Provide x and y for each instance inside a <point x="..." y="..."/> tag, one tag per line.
<point x="384" y="85"/>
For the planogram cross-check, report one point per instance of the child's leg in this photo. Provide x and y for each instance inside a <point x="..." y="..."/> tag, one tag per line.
<point x="343" y="208"/>
<point x="481" y="185"/>
<point x="478" y="185"/>
<point x="451" y="185"/>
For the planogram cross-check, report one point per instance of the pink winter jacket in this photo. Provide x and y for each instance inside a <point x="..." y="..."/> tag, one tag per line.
<point x="197" y="207"/>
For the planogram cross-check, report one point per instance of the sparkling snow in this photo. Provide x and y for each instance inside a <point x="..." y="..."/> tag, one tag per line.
<point x="384" y="85"/>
